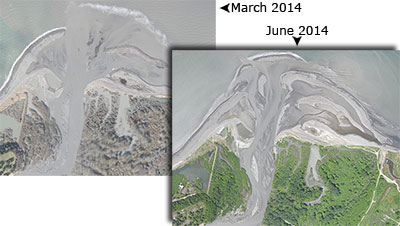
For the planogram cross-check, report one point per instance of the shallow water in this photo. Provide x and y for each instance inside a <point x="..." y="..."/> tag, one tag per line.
<point x="195" y="87"/>
<point x="9" y="122"/>
<point x="192" y="172"/>
<point x="373" y="76"/>
<point x="15" y="35"/>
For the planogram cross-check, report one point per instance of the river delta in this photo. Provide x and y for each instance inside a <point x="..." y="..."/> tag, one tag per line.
<point x="291" y="119"/>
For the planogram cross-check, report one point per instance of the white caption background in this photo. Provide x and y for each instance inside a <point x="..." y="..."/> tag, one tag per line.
<point x="356" y="23"/>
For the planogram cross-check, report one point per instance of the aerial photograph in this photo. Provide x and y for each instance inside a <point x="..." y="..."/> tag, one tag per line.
<point x="85" y="86"/>
<point x="295" y="137"/>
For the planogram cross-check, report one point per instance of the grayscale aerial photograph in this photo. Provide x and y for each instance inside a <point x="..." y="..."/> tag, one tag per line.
<point x="85" y="86"/>
<point x="295" y="137"/>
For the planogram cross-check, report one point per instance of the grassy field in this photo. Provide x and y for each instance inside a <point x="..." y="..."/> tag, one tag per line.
<point x="386" y="206"/>
<point x="228" y="189"/>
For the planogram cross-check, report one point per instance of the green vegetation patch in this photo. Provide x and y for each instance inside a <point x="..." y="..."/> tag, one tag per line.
<point x="323" y="150"/>
<point x="229" y="189"/>
<point x="194" y="210"/>
<point x="386" y="208"/>
<point x="349" y="177"/>
<point x="7" y="158"/>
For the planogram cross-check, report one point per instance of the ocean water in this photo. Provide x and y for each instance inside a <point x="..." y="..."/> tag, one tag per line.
<point x="372" y="75"/>
<point x="199" y="77"/>
<point x="15" y="35"/>
<point x="11" y="45"/>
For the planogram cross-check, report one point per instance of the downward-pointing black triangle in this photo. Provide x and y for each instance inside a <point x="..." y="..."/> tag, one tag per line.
<point x="296" y="40"/>
<point x="226" y="7"/>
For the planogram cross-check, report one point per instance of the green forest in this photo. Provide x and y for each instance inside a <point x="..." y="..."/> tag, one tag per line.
<point x="349" y="175"/>
<point x="7" y="158"/>
<point x="312" y="185"/>
<point x="228" y="191"/>
<point x="386" y="206"/>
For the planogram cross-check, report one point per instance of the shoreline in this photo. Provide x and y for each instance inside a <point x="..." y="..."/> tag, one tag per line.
<point x="137" y="15"/>
<point x="225" y="96"/>
<point x="26" y="51"/>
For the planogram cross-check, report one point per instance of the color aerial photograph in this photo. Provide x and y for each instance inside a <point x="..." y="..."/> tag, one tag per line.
<point x="294" y="137"/>
<point x="85" y="86"/>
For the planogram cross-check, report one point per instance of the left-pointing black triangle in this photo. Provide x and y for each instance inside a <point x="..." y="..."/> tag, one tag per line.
<point x="226" y="7"/>
<point x="297" y="40"/>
